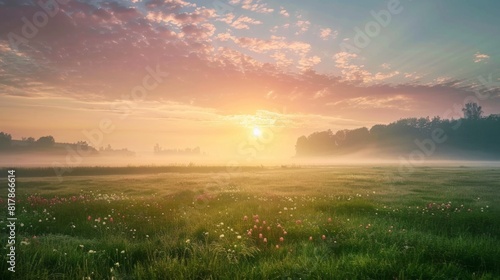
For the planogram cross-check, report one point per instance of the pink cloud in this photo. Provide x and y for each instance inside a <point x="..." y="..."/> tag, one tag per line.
<point x="355" y="73"/>
<point x="303" y="26"/>
<point x="481" y="57"/>
<point x="396" y="102"/>
<point x="275" y="43"/>
<point x="284" y="12"/>
<point x="225" y="37"/>
<point x="253" y="5"/>
<point x="101" y="53"/>
<point x="168" y="5"/>
<point x="328" y="33"/>
<point x="306" y="63"/>
<point x="244" y="22"/>
<point x="179" y="19"/>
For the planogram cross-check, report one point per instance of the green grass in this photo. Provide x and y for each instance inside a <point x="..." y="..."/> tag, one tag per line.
<point x="438" y="223"/>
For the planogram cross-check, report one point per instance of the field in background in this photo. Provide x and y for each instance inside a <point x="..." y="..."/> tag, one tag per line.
<point x="294" y="223"/>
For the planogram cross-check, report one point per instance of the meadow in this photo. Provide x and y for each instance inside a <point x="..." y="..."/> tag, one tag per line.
<point x="346" y="222"/>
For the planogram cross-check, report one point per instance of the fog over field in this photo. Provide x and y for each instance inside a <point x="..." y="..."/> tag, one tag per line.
<point x="249" y="139"/>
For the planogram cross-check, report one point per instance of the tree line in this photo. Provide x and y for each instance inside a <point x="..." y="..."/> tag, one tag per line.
<point x="44" y="141"/>
<point x="472" y="135"/>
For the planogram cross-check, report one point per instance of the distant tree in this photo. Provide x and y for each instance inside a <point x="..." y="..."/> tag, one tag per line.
<point x="196" y="151"/>
<point x="5" y="140"/>
<point x="320" y="143"/>
<point x="29" y="140"/>
<point x="46" y="141"/>
<point x="157" y="148"/>
<point x="301" y="147"/>
<point x="472" y="111"/>
<point x="82" y="144"/>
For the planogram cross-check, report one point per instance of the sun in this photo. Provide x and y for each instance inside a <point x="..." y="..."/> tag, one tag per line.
<point x="257" y="132"/>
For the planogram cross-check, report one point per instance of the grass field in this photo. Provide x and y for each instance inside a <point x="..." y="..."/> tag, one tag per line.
<point x="296" y="223"/>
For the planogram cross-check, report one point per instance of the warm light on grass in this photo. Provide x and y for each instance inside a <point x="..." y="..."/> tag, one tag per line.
<point x="270" y="224"/>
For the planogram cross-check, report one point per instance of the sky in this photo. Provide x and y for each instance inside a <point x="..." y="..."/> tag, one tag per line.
<point x="239" y="77"/>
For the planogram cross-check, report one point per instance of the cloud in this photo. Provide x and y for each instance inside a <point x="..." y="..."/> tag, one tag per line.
<point x="227" y="18"/>
<point x="328" y="33"/>
<point x="397" y="102"/>
<point x="284" y="12"/>
<point x="306" y="63"/>
<point x="253" y="5"/>
<point x="100" y="51"/>
<point x="282" y="60"/>
<point x="179" y="19"/>
<point x="303" y="26"/>
<point x="168" y="5"/>
<point x="244" y="22"/>
<point x="357" y="74"/>
<point x="386" y="66"/>
<point x="225" y="37"/>
<point x="275" y="43"/>
<point x="480" y="57"/>
<point x="199" y="32"/>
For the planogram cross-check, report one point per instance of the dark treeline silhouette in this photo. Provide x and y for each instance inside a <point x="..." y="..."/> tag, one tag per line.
<point x="47" y="145"/>
<point x="109" y="151"/>
<point x="44" y="143"/>
<point x="470" y="137"/>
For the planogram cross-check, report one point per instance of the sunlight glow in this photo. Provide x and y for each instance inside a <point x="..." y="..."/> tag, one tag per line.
<point x="257" y="132"/>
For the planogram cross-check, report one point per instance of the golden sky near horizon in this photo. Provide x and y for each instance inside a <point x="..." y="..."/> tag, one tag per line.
<point x="221" y="74"/>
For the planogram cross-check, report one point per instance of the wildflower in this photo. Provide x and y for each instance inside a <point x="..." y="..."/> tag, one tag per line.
<point x="122" y="252"/>
<point x="245" y="218"/>
<point x="110" y="220"/>
<point x="329" y="220"/>
<point x="117" y="264"/>
<point x="298" y="222"/>
<point x="92" y="252"/>
<point x="260" y="236"/>
<point x="282" y="239"/>
<point x="188" y="241"/>
<point x="323" y="237"/>
<point x="221" y="236"/>
<point x="81" y="246"/>
<point x="239" y="236"/>
<point x="265" y="240"/>
<point x="310" y="238"/>
<point x="277" y="246"/>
